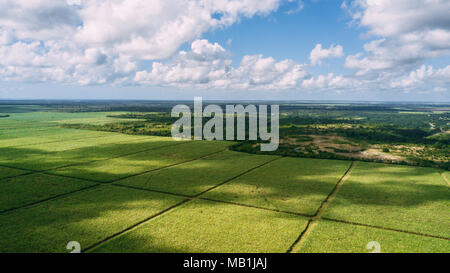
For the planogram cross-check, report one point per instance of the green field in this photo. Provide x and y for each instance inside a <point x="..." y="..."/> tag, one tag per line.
<point x="404" y="198"/>
<point x="9" y="172"/>
<point x="197" y="176"/>
<point x="113" y="192"/>
<point x="217" y="228"/>
<point x="330" y="237"/>
<point x="86" y="217"/>
<point x="290" y="184"/>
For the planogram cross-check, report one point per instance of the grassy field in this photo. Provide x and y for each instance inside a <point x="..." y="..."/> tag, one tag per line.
<point x="289" y="184"/>
<point x="332" y="237"/>
<point x="218" y="228"/>
<point x="197" y="176"/>
<point x="125" y="193"/>
<point x="162" y="155"/>
<point x="86" y="217"/>
<point x="27" y="189"/>
<point x="404" y="198"/>
<point x="8" y="172"/>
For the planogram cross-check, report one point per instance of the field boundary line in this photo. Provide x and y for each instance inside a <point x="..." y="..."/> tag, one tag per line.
<point x="150" y="190"/>
<point x="195" y="197"/>
<point x="18" y="168"/>
<point x="14" y="176"/>
<point x="206" y="198"/>
<point x="213" y="200"/>
<point x="132" y="227"/>
<point x="133" y="175"/>
<point x="256" y="207"/>
<point x="302" y="237"/>
<point x="168" y="166"/>
<point x="48" y="199"/>
<point x="72" y="177"/>
<point x="334" y="192"/>
<point x="237" y="176"/>
<point x="323" y="206"/>
<point x="445" y="179"/>
<point x="31" y="172"/>
<point x="385" y="228"/>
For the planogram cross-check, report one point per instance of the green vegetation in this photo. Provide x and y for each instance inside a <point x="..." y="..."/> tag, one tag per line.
<point x="217" y="228"/>
<point x="195" y="177"/>
<point x="24" y="190"/>
<point x="86" y="217"/>
<point x="8" y="172"/>
<point x="153" y="124"/>
<point x="413" y="134"/>
<point x="288" y="184"/>
<point x="331" y="237"/>
<point x="90" y="141"/>
<point x="304" y="138"/>
<point x="404" y="198"/>
<point x="23" y="137"/>
<point x="141" y="192"/>
<point x="121" y="167"/>
<point x="39" y="158"/>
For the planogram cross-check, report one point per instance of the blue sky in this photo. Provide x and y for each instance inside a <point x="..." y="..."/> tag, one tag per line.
<point x="291" y="36"/>
<point x="226" y="50"/>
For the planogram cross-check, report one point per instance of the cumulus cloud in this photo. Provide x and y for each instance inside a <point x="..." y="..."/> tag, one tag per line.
<point x="209" y="66"/>
<point x="94" y="41"/>
<point x="425" y="76"/>
<point x="393" y="18"/>
<point x="329" y="81"/>
<point x="156" y="29"/>
<point x="408" y="32"/>
<point x="38" y="19"/>
<point x="318" y="53"/>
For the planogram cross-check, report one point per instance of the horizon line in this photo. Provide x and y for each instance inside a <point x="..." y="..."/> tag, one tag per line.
<point x="219" y="100"/>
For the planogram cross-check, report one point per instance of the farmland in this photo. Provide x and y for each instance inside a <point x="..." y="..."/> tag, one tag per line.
<point x="62" y="179"/>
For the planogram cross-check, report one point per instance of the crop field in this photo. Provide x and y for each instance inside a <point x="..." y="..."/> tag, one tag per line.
<point x="114" y="192"/>
<point x="373" y="190"/>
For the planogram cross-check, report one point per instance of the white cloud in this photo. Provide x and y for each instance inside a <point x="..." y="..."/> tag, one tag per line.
<point x="95" y="41"/>
<point x="209" y="66"/>
<point x="38" y="19"/>
<point x="392" y="18"/>
<point x="155" y="29"/>
<point x="414" y="78"/>
<point x="318" y="53"/>
<point x="329" y="82"/>
<point x="425" y="76"/>
<point x="299" y="7"/>
<point x="408" y="33"/>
